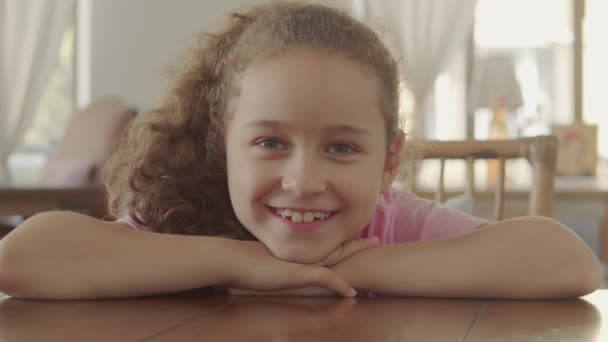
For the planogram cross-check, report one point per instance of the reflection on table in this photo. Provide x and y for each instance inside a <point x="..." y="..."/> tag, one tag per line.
<point x="198" y="315"/>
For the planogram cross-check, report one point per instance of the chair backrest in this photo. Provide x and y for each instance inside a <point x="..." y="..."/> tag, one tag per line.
<point x="540" y="151"/>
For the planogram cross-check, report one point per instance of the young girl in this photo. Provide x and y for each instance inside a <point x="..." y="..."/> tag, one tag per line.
<point x="268" y="167"/>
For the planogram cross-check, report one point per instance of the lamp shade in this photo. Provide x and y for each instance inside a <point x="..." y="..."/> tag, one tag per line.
<point x="494" y="78"/>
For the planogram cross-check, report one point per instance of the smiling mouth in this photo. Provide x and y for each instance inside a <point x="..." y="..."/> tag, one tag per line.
<point x="298" y="216"/>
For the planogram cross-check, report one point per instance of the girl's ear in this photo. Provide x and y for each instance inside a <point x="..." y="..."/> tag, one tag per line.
<point x="393" y="160"/>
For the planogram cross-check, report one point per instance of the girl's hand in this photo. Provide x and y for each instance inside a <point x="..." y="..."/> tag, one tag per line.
<point x="272" y="276"/>
<point x="349" y="248"/>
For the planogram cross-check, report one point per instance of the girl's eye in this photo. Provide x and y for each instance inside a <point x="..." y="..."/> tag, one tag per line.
<point x="270" y="144"/>
<point x="342" y="148"/>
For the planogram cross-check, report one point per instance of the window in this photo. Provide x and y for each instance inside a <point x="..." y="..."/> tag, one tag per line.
<point x="595" y="55"/>
<point x="541" y="54"/>
<point x="56" y="105"/>
<point x="542" y="57"/>
<point x="57" y="102"/>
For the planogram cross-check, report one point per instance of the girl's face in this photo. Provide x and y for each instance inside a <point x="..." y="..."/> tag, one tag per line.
<point x="306" y="152"/>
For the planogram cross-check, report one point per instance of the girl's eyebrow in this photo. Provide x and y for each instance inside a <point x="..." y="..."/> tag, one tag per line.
<point x="332" y="129"/>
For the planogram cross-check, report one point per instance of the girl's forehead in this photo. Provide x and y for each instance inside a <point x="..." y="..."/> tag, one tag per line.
<point x="305" y="85"/>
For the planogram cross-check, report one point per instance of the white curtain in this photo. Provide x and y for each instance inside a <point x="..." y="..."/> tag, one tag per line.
<point x="30" y="33"/>
<point x="426" y="34"/>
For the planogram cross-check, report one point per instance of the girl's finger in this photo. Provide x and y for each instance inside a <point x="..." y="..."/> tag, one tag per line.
<point x="350" y="248"/>
<point x="325" y="277"/>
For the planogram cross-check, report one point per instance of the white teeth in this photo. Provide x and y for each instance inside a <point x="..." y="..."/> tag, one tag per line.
<point x="296" y="217"/>
<point x="299" y="217"/>
<point x="308" y="217"/>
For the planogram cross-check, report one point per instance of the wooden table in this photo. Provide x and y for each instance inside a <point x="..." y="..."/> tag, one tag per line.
<point x="197" y="316"/>
<point x="27" y="200"/>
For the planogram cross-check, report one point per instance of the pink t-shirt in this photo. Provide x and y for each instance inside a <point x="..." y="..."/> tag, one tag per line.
<point x="402" y="217"/>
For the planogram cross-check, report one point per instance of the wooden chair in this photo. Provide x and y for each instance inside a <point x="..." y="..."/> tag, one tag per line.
<point x="540" y="151"/>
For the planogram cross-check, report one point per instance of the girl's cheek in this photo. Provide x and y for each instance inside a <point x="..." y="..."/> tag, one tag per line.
<point x="259" y="179"/>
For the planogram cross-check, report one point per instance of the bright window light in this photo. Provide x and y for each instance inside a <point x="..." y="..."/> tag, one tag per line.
<point x="515" y="23"/>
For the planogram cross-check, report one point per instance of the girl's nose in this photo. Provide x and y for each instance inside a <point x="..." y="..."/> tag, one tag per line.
<point x="304" y="179"/>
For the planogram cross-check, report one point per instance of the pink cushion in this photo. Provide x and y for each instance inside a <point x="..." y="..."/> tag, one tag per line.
<point x="68" y="172"/>
<point x="93" y="132"/>
<point x="89" y="139"/>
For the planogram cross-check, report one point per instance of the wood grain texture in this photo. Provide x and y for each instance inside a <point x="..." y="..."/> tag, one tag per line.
<point x="559" y="320"/>
<point x="100" y="320"/>
<point x="200" y="316"/>
<point x="331" y="319"/>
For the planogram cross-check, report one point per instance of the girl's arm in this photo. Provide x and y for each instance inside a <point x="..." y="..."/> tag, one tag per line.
<point x="62" y="255"/>
<point x="528" y="257"/>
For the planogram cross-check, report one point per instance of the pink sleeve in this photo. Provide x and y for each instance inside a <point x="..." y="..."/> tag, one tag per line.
<point x="129" y="221"/>
<point x="419" y="219"/>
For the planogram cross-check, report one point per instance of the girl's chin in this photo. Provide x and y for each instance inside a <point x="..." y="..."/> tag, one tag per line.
<point x="302" y="257"/>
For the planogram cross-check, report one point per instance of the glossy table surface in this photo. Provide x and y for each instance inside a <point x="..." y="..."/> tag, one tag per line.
<point x="197" y="316"/>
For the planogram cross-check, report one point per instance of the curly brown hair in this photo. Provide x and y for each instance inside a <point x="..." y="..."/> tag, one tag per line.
<point x="169" y="172"/>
